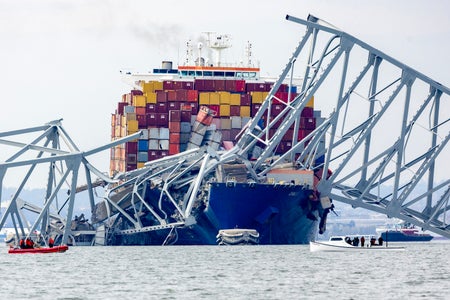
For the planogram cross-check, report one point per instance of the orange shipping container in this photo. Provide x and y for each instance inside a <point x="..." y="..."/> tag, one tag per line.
<point x="310" y="102"/>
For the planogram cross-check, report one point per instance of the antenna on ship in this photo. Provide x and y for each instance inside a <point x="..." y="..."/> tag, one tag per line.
<point x="248" y="53"/>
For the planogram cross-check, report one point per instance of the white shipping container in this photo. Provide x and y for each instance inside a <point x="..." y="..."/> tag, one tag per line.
<point x="153" y="144"/>
<point x="153" y="133"/>
<point x="163" y="144"/>
<point x="163" y="133"/>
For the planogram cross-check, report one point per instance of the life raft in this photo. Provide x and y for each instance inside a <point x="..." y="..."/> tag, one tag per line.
<point x="54" y="249"/>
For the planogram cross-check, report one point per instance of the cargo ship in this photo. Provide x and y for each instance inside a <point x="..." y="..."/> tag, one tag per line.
<point x="191" y="172"/>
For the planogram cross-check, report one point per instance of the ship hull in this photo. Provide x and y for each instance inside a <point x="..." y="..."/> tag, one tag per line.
<point x="282" y="214"/>
<point x="398" y="236"/>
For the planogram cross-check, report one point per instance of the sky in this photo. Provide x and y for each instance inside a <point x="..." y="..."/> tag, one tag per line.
<point x="62" y="58"/>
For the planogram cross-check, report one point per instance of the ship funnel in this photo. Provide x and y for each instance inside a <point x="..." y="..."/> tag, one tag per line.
<point x="166" y="65"/>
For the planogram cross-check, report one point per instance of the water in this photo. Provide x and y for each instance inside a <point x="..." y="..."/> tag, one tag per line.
<point x="227" y="272"/>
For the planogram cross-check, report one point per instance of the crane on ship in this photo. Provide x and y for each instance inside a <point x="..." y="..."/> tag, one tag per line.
<point x="381" y="147"/>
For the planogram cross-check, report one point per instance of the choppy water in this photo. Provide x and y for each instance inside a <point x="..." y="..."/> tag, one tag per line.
<point x="227" y="272"/>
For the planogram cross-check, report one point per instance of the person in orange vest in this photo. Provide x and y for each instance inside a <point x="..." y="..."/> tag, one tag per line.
<point x="29" y="243"/>
<point x="21" y="244"/>
<point x="51" y="242"/>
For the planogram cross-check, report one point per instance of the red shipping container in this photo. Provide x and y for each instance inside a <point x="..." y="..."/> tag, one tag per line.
<point x="230" y="85"/>
<point x="167" y="85"/>
<point x="188" y="85"/>
<point x="233" y="133"/>
<point x="235" y="111"/>
<point x="151" y="108"/>
<point x="307" y="112"/>
<point x="131" y="147"/>
<point x="152" y="119"/>
<point x="174" y="105"/>
<point x="131" y="167"/>
<point x="174" y="148"/>
<point x="302" y="133"/>
<point x="120" y="106"/>
<point x="226" y="135"/>
<point x="276" y="109"/>
<point x="219" y="84"/>
<point x="255" y="108"/>
<point x="199" y="84"/>
<point x="185" y="116"/>
<point x="171" y="95"/>
<point x="142" y="121"/>
<point x="136" y="93"/>
<point x="174" y="138"/>
<point x="192" y="95"/>
<point x="240" y="86"/>
<point x="161" y="96"/>
<point x="140" y="110"/>
<point x="161" y="107"/>
<point x="194" y="108"/>
<point x="246" y="100"/>
<point x="174" y="116"/>
<point x="208" y="85"/>
<point x="215" y="108"/>
<point x="307" y="123"/>
<point x="162" y="119"/>
<point x="152" y="155"/>
<point x="181" y="95"/>
<point x="174" y="127"/>
<point x="176" y="85"/>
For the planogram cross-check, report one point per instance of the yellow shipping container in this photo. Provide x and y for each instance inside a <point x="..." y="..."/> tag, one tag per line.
<point x="157" y="85"/>
<point x="224" y="110"/>
<point x="203" y="99"/>
<point x="245" y="111"/>
<point x="139" y="100"/>
<point x="257" y="97"/>
<point x="264" y="95"/>
<point x="151" y="97"/>
<point x="214" y="98"/>
<point x="148" y="87"/>
<point x="235" y="99"/>
<point x="140" y="165"/>
<point x="310" y="102"/>
<point x="224" y="97"/>
<point x="132" y="126"/>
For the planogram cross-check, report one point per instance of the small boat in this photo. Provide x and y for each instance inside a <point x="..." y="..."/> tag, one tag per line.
<point x="403" y="232"/>
<point x="339" y="244"/>
<point x="238" y="237"/>
<point x="54" y="249"/>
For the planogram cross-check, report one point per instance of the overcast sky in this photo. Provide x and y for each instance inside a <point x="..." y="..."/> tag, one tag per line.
<point x="61" y="58"/>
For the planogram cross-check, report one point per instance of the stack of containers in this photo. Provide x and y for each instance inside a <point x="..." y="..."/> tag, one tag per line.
<point x="176" y="115"/>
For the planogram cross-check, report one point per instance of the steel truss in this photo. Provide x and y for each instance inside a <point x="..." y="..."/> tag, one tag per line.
<point x="384" y="139"/>
<point x="51" y="148"/>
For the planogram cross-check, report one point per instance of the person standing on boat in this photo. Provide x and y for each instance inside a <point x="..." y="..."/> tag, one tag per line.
<point x="363" y="240"/>
<point x="21" y="244"/>
<point x="380" y="241"/>
<point x="51" y="242"/>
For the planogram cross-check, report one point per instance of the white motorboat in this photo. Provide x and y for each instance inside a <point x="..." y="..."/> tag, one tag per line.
<point x="339" y="244"/>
